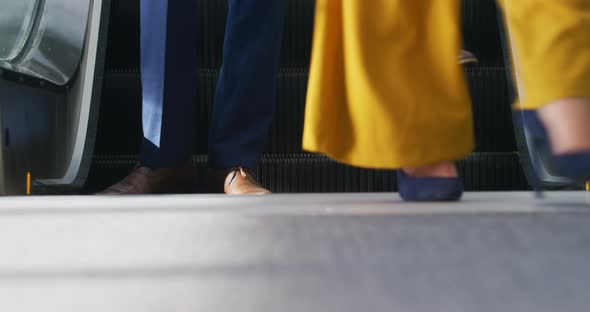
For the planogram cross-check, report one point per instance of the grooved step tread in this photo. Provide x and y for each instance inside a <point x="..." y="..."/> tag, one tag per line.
<point x="479" y="25"/>
<point x="120" y="124"/>
<point x="295" y="173"/>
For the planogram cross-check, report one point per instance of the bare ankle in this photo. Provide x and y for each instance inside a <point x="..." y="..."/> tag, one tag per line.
<point x="568" y="124"/>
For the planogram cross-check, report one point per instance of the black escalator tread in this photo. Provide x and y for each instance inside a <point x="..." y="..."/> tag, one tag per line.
<point x="123" y="38"/>
<point x="120" y="116"/>
<point x="493" y="120"/>
<point x="121" y="110"/>
<point x="494" y="131"/>
<point x="211" y="32"/>
<point x="315" y="173"/>
<point x="205" y="97"/>
<point x="481" y="32"/>
<point x="123" y="44"/>
<point x="491" y="109"/>
<point x="119" y="123"/>
<point x="298" y="35"/>
<point x="479" y="26"/>
<point x="287" y="129"/>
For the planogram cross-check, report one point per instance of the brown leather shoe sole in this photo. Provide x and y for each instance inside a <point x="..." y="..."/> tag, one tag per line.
<point x="143" y="180"/>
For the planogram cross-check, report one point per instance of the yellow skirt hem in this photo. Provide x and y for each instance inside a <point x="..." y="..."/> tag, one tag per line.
<point x="550" y="97"/>
<point x="451" y="155"/>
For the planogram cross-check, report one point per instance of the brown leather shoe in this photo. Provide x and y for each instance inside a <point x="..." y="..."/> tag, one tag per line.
<point x="144" y="180"/>
<point x="466" y="57"/>
<point x="236" y="181"/>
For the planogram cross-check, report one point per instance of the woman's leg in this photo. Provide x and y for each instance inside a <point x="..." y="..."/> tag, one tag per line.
<point x="385" y="88"/>
<point x="551" y="54"/>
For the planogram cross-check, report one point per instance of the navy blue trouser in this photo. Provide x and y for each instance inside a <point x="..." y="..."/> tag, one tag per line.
<point x="245" y="96"/>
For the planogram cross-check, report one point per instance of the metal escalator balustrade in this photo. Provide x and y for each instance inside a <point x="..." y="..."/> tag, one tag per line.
<point x="43" y="38"/>
<point x="310" y="173"/>
<point x="16" y="21"/>
<point x="50" y="91"/>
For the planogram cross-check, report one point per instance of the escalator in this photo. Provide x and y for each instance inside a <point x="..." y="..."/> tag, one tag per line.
<point x="74" y="122"/>
<point x="51" y="66"/>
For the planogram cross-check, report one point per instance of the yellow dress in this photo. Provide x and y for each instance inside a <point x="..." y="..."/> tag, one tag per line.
<point x="385" y="89"/>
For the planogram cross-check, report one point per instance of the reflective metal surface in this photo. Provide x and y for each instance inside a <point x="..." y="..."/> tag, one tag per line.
<point x="84" y="101"/>
<point x="50" y="131"/>
<point x="47" y="43"/>
<point x="16" y="21"/>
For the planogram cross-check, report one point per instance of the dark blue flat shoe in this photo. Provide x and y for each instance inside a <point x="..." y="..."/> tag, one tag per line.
<point x="575" y="166"/>
<point x="429" y="188"/>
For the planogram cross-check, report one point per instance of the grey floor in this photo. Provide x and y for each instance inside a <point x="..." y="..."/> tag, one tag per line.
<point x="342" y="252"/>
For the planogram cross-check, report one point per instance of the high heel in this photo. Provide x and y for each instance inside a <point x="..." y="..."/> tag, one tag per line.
<point x="429" y="188"/>
<point x="575" y="166"/>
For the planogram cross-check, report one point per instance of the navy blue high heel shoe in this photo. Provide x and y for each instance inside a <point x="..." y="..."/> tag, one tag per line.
<point x="429" y="188"/>
<point x="575" y="166"/>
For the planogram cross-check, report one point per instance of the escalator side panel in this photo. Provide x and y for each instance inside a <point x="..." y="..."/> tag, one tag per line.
<point x="83" y="102"/>
<point x="55" y="43"/>
<point x="30" y="127"/>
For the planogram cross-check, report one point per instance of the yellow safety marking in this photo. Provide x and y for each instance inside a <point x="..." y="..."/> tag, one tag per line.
<point x="28" y="183"/>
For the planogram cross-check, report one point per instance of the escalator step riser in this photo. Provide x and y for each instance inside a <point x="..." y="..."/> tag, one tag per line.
<point x="481" y="34"/>
<point x="494" y="131"/>
<point x="479" y="27"/>
<point x="120" y="123"/>
<point x="312" y="173"/>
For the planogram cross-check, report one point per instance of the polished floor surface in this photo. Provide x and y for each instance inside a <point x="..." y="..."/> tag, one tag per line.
<point x="338" y="252"/>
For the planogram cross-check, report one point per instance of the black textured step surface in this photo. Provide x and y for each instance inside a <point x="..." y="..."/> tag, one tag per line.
<point x="123" y="50"/>
<point x="479" y="26"/>
<point x="481" y="34"/>
<point x="294" y="173"/>
<point x="120" y="123"/>
<point x="492" y="111"/>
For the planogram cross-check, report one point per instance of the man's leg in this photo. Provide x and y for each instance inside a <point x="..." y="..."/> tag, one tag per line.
<point x="550" y="52"/>
<point x="168" y="75"/>
<point x="246" y="90"/>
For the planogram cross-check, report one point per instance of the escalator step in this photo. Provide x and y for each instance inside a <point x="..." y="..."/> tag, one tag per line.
<point x="123" y="38"/>
<point x="479" y="27"/>
<point x="481" y="32"/>
<point x="119" y="122"/>
<point x="120" y="117"/>
<point x="294" y="173"/>
<point x="123" y="44"/>
<point x="494" y="131"/>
